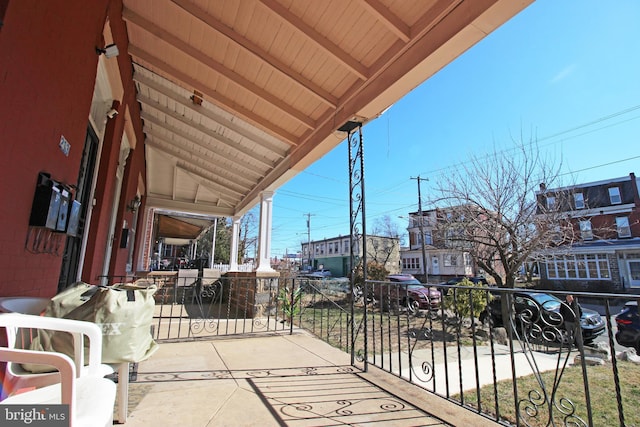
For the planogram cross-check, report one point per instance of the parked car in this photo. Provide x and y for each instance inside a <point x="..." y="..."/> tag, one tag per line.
<point x="456" y="280"/>
<point x="628" y="322"/>
<point x="408" y="291"/>
<point x="317" y="274"/>
<point x="530" y="303"/>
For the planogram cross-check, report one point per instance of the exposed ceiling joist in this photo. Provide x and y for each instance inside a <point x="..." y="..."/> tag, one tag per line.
<point x="271" y="146"/>
<point x="230" y="146"/>
<point x="248" y="46"/>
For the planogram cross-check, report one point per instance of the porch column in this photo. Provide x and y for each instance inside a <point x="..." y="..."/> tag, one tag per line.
<point x="235" y="237"/>
<point x="264" y="233"/>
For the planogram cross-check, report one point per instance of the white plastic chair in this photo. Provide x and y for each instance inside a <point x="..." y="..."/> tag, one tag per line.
<point x="15" y="324"/>
<point x="90" y="396"/>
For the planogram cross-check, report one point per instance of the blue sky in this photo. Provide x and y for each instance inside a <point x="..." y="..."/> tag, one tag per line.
<point x="566" y="73"/>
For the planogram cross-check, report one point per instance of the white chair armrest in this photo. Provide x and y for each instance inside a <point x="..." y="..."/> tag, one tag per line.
<point x="61" y="362"/>
<point x="78" y="328"/>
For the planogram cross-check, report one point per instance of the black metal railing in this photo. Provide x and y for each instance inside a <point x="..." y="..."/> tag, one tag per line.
<point x="527" y="368"/>
<point x="504" y="353"/>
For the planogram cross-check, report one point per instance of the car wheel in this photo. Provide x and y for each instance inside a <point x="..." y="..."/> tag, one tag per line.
<point x="637" y="346"/>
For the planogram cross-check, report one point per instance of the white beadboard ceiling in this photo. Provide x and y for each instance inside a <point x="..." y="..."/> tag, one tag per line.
<point x="277" y="78"/>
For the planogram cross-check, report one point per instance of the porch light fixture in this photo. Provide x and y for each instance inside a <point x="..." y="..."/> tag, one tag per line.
<point x="134" y="204"/>
<point x="109" y="51"/>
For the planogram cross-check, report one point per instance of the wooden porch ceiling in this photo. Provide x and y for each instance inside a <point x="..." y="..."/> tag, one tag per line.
<point x="239" y="96"/>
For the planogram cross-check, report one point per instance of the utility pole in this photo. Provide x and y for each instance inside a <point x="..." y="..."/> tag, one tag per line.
<point x="421" y="226"/>
<point x="309" y="215"/>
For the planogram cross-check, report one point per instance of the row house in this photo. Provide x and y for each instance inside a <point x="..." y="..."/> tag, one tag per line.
<point x="442" y="253"/>
<point x="334" y="254"/>
<point x="597" y="246"/>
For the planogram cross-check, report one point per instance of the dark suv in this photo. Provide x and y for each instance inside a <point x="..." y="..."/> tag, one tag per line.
<point x="544" y="311"/>
<point x="628" y="322"/>
<point x="407" y="291"/>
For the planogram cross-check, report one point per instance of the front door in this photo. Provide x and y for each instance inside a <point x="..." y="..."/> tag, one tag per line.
<point x="435" y="267"/>
<point x="634" y="273"/>
<point x="69" y="272"/>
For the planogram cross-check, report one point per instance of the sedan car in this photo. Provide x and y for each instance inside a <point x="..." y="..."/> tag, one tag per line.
<point x="628" y="322"/>
<point x="544" y="310"/>
<point x="407" y="291"/>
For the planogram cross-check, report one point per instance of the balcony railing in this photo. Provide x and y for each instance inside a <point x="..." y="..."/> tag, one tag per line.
<point x="503" y="353"/>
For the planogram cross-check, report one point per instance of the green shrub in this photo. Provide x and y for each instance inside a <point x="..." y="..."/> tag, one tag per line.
<point x="461" y="301"/>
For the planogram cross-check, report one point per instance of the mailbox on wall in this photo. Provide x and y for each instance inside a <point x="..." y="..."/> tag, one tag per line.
<point x="53" y="207"/>
<point x="74" y="218"/>
<point x="63" y="212"/>
<point x="46" y="203"/>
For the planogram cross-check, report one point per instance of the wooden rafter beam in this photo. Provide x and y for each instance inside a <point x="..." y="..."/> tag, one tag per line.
<point x="232" y="76"/>
<point x="217" y="118"/>
<point x="344" y="58"/>
<point x="246" y="174"/>
<point x="217" y="97"/>
<point x="248" y="46"/>
<point x="214" y="183"/>
<point x="229" y="144"/>
<point x="388" y="19"/>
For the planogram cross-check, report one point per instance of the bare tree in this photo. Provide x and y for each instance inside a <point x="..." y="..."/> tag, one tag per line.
<point x="384" y="226"/>
<point x="489" y="208"/>
<point x="248" y="235"/>
<point x="384" y="241"/>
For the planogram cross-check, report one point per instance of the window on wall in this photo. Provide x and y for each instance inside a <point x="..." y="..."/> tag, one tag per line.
<point x="410" y="263"/>
<point x="614" y="195"/>
<point x="622" y="226"/>
<point x="551" y="202"/>
<point x="578" y="200"/>
<point x="467" y="260"/>
<point x="450" y="260"/>
<point x="572" y="267"/>
<point x="585" y="230"/>
<point x="427" y="237"/>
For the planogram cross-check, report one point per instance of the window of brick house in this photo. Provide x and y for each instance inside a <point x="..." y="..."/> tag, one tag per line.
<point x="450" y="260"/>
<point x="578" y="200"/>
<point x="585" y="230"/>
<point x="614" y="195"/>
<point x="622" y="226"/>
<point x="551" y="202"/>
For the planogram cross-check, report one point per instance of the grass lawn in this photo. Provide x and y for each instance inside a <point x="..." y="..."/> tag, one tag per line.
<point x="604" y="405"/>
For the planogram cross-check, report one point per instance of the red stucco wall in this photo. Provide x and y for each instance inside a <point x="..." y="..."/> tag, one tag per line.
<point x="47" y="74"/>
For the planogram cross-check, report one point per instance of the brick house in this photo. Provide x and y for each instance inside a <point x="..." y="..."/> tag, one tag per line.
<point x="444" y="257"/>
<point x="602" y="250"/>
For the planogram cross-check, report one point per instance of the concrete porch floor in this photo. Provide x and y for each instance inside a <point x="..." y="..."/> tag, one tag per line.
<point x="277" y="380"/>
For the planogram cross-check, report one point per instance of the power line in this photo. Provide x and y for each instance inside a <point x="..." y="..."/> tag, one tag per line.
<point x="545" y="138"/>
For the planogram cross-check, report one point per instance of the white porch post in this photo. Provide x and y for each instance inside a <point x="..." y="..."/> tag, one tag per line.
<point x="235" y="237"/>
<point x="264" y="233"/>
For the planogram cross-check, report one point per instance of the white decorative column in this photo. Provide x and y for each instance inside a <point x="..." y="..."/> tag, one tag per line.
<point x="264" y="233"/>
<point x="235" y="237"/>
